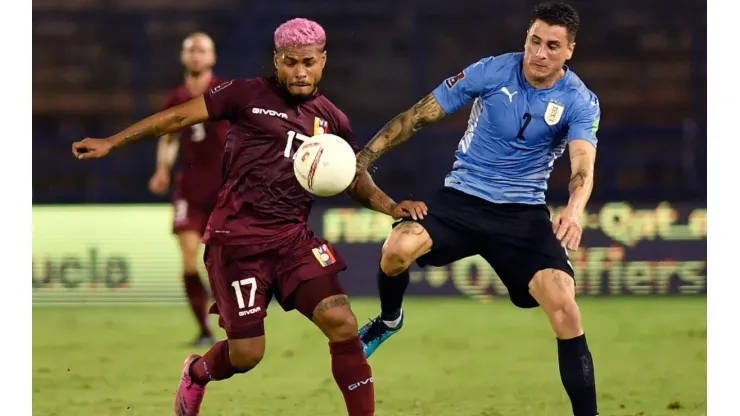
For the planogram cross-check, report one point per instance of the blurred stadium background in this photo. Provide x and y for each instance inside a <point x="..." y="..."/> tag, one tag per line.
<point x="100" y="238"/>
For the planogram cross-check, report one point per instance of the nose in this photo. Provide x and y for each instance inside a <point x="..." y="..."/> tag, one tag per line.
<point x="540" y="52"/>
<point x="300" y="71"/>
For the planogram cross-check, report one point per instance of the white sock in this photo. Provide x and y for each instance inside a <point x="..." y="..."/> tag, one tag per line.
<point x="394" y="323"/>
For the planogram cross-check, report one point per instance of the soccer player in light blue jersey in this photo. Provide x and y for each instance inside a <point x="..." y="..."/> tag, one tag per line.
<point x="527" y="108"/>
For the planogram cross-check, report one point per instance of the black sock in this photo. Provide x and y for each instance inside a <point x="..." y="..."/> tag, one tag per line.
<point x="391" y="290"/>
<point x="577" y="374"/>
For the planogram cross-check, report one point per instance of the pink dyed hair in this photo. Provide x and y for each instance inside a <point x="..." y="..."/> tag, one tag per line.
<point x="299" y="32"/>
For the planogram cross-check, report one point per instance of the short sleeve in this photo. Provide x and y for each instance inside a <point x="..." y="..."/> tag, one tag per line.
<point x="227" y="100"/>
<point x="344" y="130"/>
<point x="584" y="121"/>
<point x="454" y="92"/>
<point x="170" y="101"/>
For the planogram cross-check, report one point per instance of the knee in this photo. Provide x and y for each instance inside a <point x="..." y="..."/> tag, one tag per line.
<point x="338" y="323"/>
<point x="397" y="257"/>
<point x="565" y="318"/>
<point x="407" y="242"/>
<point x="245" y="354"/>
<point x="341" y="327"/>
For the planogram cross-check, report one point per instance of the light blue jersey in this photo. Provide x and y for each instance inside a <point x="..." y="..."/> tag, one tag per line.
<point x="515" y="131"/>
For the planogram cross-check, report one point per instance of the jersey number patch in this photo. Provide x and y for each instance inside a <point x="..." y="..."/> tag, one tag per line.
<point x="199" y="133"/>
<point x="292" y="135"/>
<point x="527" y="118"/>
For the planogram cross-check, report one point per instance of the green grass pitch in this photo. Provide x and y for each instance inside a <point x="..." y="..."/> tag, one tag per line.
<point x="454" y="357"/>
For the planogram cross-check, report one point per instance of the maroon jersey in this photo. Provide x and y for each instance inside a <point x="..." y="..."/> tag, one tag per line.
<point x="201" y="151"/>
<point x="261" y="201"/>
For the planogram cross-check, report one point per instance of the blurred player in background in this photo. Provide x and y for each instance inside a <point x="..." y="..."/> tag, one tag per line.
<point x="197" y="184"/>
<point x="526" y="108"/>
<point x="258" y="244"/>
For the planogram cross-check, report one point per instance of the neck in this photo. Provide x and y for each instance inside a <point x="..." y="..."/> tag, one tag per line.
<point x="543" y="83"/>
<point x="197" y="83"/>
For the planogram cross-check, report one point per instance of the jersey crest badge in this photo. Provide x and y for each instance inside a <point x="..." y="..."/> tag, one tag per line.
<point x="324" y="255"/>
<point x="320" y="126"/>
<point x="450" y="82"/>
<point x="553" y="113"/>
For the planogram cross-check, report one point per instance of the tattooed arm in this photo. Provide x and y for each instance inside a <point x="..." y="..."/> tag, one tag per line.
<point x="364" y="191"/>
<point x="369" y="195"/>
<point x="157" y="125"/>
<point x="400" y="129"/>
<point x="582" y="159"/>
<point x="223" y="102"/>
<point x="164" y="122"/>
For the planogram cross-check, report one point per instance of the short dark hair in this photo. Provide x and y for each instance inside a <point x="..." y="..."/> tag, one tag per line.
<point x="556" y="13"/>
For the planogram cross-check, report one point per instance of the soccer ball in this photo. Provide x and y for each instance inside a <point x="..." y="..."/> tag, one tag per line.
<point x="325" y="165"/>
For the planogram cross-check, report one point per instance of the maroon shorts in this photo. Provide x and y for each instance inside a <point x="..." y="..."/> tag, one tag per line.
<point x="190" y="216"/>
<point x="302" y="270"/>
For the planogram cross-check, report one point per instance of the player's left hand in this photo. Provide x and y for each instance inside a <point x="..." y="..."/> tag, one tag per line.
<point x="567" y="228"/>
<point x="414" y="209"/>
<point x="91" y="148"/>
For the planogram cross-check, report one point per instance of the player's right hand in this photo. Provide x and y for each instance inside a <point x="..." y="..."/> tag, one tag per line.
<point x="92" y="148"/>
<point x="414" y="209"/>
<point x="159" y="184"/>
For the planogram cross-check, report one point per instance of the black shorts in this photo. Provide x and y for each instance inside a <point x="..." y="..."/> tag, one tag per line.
<point x="515" y="239"/>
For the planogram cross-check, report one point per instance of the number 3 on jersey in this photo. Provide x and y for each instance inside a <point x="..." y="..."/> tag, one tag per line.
<point x="199" y="132"/>
<point x="289" y="146"/>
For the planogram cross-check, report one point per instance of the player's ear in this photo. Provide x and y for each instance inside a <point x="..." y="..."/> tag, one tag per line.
<point x="571" y="47"/>
<point x="323" y="59"/>
<point x="275" y="58"/>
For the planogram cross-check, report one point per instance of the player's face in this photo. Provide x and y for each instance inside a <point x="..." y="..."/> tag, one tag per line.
<point x="546" y="50"/>
<point x="197" y="54"/>
<point x="300" y="69"/>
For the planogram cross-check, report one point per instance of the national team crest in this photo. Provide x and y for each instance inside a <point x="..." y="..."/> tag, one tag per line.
<point x="554" y="113"/>
<point x="320" y="126"/>
<point x="324" y="255"/>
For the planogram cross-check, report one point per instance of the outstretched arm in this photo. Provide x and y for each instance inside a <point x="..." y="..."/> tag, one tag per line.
<point x="400" y="129"/>
<point x="164" y="122"/>
<point x="451" y="95"/>
<point x="364" y="191"/>
<point x="367" y="194"/>
<point x="160" y="124"/>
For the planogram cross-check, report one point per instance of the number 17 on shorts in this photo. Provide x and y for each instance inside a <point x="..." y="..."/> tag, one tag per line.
<point x="246" y="308"/>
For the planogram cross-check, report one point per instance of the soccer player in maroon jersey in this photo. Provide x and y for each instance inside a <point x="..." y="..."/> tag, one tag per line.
<point x="201" y="148"/>
<point x="258" y="244"/>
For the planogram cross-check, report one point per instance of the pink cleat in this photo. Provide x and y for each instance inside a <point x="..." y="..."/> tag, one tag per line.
<point x="189" y="395"/>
